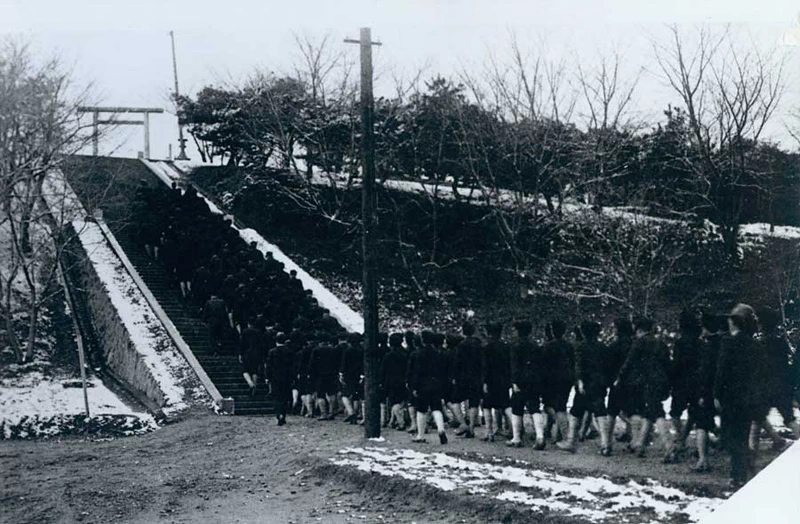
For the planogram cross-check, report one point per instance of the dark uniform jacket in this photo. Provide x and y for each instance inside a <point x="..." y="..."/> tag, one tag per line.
<point x="280" y="367"/>
<point x="615" y="356"/>
<point x="496" y="365"/>
<point x="466" y="367"/>
<point x="686" y="363"/>
<point x="214" y="311"/>
<point x="738" y="369"/>
<point x="301" y="364"/>
<point x="526" y="364"/>
<point x="424" y="370"/>
<point x="251" y="341"/>
<point x="777" y="355"/>
<point x="707" y="368"/>
<point x="319" y="363"/>
<point x="352" y="364"/>
<point x="647" y="366"/>
<point x="590" y="366"/>
<point x="393" y="369"/>
<point x="559" y="362"/>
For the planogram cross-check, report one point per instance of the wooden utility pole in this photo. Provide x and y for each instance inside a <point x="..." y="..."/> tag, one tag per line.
<point x="372" y="404"/>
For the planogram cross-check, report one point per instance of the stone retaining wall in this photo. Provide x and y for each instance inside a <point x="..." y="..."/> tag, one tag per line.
<point x="112" y="340"/>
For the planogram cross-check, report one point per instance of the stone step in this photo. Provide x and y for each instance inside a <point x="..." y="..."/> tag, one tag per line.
<point x="224" y="370"/>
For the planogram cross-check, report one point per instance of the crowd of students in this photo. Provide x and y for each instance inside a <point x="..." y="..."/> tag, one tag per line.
<point x="736" y="366"/>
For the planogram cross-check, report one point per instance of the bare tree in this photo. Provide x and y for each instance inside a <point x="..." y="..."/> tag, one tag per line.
<point x="607" y="102"/>
<point x="729" y="93"/>
<point x="624" y="258"/>
<point x="326" y="71"/>
<point x="39" y="127"/>
<point x="517" y="139"/>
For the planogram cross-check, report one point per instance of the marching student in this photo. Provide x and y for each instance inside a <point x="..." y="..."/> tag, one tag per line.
<point x="424" y="381"/>
<point x="777" y="379"/>
<point x="618" y="396"/>
<point x="686" y="353"/>
<point x="559" y="374"/>
<point x="702" y="410"/>
<point x="466" y="377"/>
<point x="736" y="391"/>
<point x="526" y="385"/>
<point x="590" y="388"/>
<point x="351" y="371"/>
<point x="412" y="342"/>
<point x="252" y="352"/>
<point x="645" y="375"/>
<point x="495" y="375"/>
<point x="280" y="365"/>
<point x="393" y="371"/>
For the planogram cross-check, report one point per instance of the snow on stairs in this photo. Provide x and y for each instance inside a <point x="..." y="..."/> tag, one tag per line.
<point x="224" y="370"/>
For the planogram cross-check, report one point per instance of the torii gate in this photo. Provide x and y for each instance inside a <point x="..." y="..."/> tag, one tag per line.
<point x="96" y="122"/>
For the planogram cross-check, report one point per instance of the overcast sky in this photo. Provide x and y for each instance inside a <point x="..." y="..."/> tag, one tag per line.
<point x="123" y="47"/>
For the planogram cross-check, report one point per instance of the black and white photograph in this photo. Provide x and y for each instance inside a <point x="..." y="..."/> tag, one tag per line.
<point x="400" y="261"/>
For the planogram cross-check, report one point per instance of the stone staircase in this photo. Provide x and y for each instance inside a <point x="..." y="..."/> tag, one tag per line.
<point x="224" y="370"/>
<point x="95" y="176"/>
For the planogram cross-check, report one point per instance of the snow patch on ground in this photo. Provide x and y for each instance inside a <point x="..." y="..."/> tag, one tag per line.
<point x="34" y="404"/>
<point x="594" y="498"/>
<point x="763" y="230"/>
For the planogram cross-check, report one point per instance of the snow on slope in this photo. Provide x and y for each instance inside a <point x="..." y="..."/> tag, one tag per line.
<point x="346" y="316"/>
<point x="508" y="198"/>
<point x="149" y="337"/>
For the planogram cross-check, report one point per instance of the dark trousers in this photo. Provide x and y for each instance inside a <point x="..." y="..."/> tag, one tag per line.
<point x="282" y="395"/>
<point x="735" y="433"/>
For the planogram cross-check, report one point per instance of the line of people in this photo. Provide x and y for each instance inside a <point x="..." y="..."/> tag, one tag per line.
<point x="737" y="366"/>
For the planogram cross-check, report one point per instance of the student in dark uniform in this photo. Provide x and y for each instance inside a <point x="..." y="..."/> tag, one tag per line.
<point x="280" y="365"/>
<point x="251" y="355"/>
<point x="201" y="286"/>
<point x="393" y="371"/>
<point x="381" y="348"/>
<point x="645" y="375"/>
<point x="296" y="342"/>
<point x="526" y="385"/>
<point x="453" y="340"/>
<point x="411" y="345"/>
<point x="702" y="410"/>
<point x="777" y="379"/>
<point x="686" y="353"/>
<point x="424" y="380"/>
<point x="590" y="388"/>
<point x="351" y="373"/>
<point x="465" y="377"/>
<point x="617" y="396"/>
<point x="322" y="376"/>
<point x="215" y="316"/>
<point x="304" y="385"/>
<point x="496" y="380"/>
<point x="437" y="340"/>
<point x="559" y="374"/>
<point x="735" y="389"/>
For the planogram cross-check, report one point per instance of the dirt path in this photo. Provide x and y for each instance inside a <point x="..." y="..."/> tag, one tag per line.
<point x="243" y="469"/>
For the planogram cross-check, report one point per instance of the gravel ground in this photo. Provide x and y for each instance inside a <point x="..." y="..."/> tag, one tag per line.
<point x="209" y="468"/>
